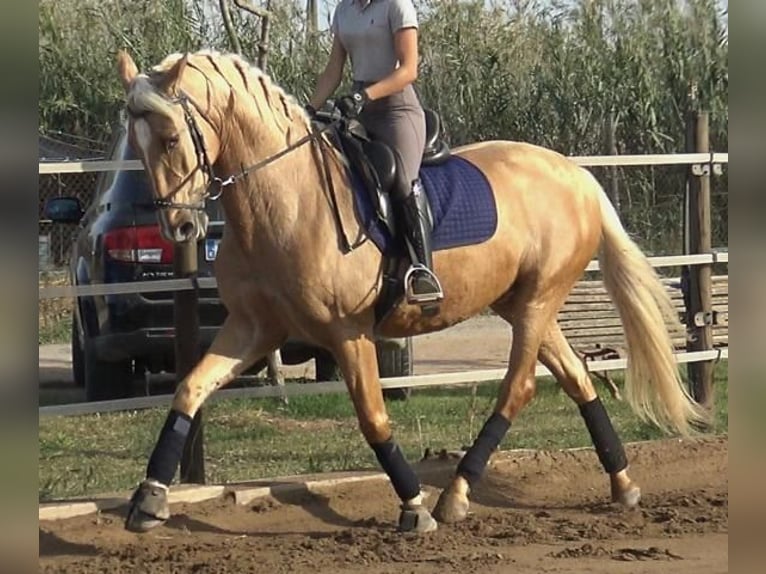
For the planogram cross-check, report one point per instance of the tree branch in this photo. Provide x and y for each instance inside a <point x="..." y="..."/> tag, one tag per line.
<point x="265" y="16"/>
<point x="252" y="8"/>
<point x="228" y="24"/>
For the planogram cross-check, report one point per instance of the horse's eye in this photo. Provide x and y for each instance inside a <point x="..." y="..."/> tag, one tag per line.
<point x="171" y="142"/>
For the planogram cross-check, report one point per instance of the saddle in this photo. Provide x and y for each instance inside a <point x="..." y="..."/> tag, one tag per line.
<point x="378" y="169"/>
<point x="376" y="164"/>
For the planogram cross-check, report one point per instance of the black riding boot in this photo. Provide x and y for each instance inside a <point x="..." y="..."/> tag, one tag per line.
<point x="421" y="284"/>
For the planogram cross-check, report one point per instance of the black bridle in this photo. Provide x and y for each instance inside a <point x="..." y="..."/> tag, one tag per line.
<point x="216" y="185"/>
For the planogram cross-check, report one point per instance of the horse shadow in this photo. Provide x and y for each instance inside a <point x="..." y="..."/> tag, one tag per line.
<point x="316" y="504"/>
<point x="286" y="494"/>
<point x="496" y="492"/>
<point x="51" y="545"/>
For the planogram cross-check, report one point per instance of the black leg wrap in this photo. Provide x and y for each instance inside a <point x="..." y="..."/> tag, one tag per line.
<point x="403" y="478"/>
<point x="472" y="465"/>
<point x="167" y="453"/>
<point x="605" y="440"/>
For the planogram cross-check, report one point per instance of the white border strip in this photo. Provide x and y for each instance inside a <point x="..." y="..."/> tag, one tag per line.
<point x="46" y="168"/>
<point x="51" y="292"/>
<point x="321" y="388"/>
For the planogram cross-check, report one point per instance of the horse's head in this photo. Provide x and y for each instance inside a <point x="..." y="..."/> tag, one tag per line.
<point x="176" y="143"/>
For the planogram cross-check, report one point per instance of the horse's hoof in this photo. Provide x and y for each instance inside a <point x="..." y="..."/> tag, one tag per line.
<point x="416" y="519"/>
<point x="148" y="507"/>
<point x="451" y="507"/>
<point x="629" y="497"/>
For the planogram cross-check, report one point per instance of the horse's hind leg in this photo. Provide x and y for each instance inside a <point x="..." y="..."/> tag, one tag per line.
<point x="238" y="344"/>
<point x="357" y="360"/>
<point x="566" y="366"/>
<point x="517" y="390"/>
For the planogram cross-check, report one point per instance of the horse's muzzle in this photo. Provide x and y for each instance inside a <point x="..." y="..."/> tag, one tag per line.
<point x="191" y="227"/>
<point x="185" y="232"/>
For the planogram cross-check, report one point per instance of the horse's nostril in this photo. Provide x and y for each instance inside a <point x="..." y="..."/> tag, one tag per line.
<point x="187" y="231"/>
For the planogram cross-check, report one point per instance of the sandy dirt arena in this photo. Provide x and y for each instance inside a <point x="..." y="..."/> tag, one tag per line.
<point x="533" y="512"/>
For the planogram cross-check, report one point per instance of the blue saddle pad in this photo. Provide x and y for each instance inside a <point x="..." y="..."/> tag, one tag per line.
<point x="462" y="205"/>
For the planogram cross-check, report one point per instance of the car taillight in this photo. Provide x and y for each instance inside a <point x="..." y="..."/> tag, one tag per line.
<point x="140" y="244"/>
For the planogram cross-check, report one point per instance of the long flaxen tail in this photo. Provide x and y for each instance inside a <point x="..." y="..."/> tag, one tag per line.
<point x="653" y="386"/>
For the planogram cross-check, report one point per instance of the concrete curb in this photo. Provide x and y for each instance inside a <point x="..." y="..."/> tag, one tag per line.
<point x="177" y="495"/>
<point x="189" y="494"/>
<point x="240" y="493"/>
<point x="246" y="495"/>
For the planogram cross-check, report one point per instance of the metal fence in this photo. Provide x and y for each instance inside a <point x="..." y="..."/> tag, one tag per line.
<point x="55" y="240"/>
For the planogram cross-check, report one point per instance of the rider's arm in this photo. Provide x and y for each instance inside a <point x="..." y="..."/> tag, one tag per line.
<point x="406" y="46"/>
<point x="330" y="78"/>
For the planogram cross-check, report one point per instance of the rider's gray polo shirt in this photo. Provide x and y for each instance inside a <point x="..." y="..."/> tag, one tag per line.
<point x="366" y="30"/>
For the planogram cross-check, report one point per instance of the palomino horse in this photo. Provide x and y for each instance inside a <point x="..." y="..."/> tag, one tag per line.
<point x="203" y="120"/>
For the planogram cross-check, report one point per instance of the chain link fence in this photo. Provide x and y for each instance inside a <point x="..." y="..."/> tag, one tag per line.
<point x="54" y="241"/>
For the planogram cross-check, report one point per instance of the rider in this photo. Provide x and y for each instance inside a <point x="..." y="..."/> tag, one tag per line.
<point x="381" y="39"/>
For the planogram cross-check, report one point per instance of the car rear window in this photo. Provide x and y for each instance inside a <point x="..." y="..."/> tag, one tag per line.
<point x="132" y="186"/>
<point x="127" y="186"/>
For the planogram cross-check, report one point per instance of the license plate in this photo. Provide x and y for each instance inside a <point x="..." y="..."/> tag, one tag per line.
<point x="211" y="249"/>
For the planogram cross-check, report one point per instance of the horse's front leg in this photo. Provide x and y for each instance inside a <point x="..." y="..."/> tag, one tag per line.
<point x="239" y="343"/>
<point x="358" y="362"/>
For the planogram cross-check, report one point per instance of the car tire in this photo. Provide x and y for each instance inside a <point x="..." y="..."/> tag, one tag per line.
<point x="395" y="362"/>
<point x="105" y="381"/>
<point x="392" y="362"/>
<point x="78" y="357"/>
<point x="326" y="368"/>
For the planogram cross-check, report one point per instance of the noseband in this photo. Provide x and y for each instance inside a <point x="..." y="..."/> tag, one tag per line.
<point x="215" y="185"/>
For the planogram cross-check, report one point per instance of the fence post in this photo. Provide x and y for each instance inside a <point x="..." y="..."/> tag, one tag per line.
<point x="700" y="297"/>
<point x="187" y="352"/>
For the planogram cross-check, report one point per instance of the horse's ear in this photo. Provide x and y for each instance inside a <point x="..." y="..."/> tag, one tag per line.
<point x="127" y="67"/>
<point x="167" y="81"/>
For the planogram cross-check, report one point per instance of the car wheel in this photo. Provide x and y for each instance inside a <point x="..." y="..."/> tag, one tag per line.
<point x="106" y="381"/>
<point x="395" y="362"/>
<point x="326" y="368"/>
<point x="78" y="358"/>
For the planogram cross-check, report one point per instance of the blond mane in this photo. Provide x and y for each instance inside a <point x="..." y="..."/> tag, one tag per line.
<point x="232" y="76"/>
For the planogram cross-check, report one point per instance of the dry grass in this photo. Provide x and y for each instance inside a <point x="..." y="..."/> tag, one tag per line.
<point x="55" y="315"/>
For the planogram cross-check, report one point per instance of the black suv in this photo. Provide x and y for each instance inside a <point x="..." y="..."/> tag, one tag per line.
<point x="116" y="338"/>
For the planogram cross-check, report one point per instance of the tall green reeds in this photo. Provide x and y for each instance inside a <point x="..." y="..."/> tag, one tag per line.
<point x="550" y="72"/>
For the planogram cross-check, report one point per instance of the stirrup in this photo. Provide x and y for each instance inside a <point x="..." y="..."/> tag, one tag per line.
<point x="422" y="298"/>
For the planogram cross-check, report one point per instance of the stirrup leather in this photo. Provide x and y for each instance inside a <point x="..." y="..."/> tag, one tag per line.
<point x="421" y="298"/>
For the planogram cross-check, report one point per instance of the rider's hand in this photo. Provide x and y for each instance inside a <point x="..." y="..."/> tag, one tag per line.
<point x="350" y="106"/>
<point x="310" y="111"/>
